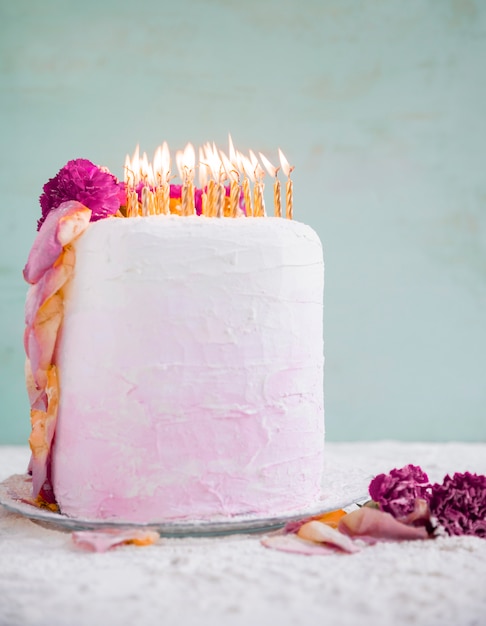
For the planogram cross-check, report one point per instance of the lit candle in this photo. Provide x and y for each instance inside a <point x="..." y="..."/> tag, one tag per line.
<point x="245" y="166"/>
<point x="132" y="174"/>
<point x="277" y="196"/>
<point x="188" y="164"/>
<point x="216" y="190"/>
<point x="289" y="188"/>
<point x="161" y="170"/>
<point x="134" y="209"/>
<point x="147" y="202"/>
<point x="211" y="201"/>
<point x="233" y="175"/>
<point x="258" y="174"/>
<point x="221" y="198"/>
<point x="203" y="181"/>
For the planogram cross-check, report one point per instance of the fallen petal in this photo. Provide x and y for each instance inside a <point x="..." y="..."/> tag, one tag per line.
<point x="331" y="519"/>
<point x="322" y="533"/>
<point x="103" y="540"/>
<point x="370" y="523"/>
<point x="296" y="545"/>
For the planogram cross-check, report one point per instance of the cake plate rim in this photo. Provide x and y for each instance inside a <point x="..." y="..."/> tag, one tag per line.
<point x="14" y="497"/>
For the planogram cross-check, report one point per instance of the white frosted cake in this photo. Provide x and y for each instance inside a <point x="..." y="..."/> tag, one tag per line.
<point x="186" y="377"/>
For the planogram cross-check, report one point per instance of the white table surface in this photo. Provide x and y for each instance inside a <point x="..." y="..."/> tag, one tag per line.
<point x="46" y="580"/>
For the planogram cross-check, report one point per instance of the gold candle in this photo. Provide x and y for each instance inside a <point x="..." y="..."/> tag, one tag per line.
<point x="165" y="199"/>
<point x="148" y="205"/>
<point x="129" y="204"/>
<point x="134" y="209"/>
<point x="234" y="198"/>
<point x="161" y="168"/>
<point x="211" y="203"/>
<point x="257" y="200"/>
<point x="277" y="198"/>
<point x="220" y="198"/>
<point x="188" y="198"/>
<point x="162" y="199"/>
<point x="289" y="200"/>
<point x="258" y="192"/>
<point x="145" y="192"/>
<point x="247" y="196"/>
<point x="287" y="169"/>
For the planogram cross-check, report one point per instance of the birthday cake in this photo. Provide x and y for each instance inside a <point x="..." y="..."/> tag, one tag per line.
<point x="174" y="358"/>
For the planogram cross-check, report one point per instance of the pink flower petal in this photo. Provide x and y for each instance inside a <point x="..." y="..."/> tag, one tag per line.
<point x="103" y="540"/>
<point x="41" y="337"/>
<point x="61" y="226"/>
<point x="372" y="524"/>
<point x="296" y="545"/>
<point x="51" y="281"/>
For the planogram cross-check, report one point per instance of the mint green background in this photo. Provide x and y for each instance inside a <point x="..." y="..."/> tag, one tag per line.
<point x="380" y="104"/>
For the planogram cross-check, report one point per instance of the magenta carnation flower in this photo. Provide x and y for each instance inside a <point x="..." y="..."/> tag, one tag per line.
<point x="459" y="504"/>
<point x="397" y="491"/>
<point x="87" y="183"/>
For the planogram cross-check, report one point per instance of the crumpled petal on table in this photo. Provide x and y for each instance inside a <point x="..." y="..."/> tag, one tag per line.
<point x="323" y="533"/>
<point x="104" y="540"/>
<point x="372" y="525"/>
<point x="313" y="535"/>
<point x="294" y="544"/>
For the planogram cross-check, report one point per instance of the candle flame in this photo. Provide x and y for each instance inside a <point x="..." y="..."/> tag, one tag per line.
<point x="271" y="169"/>
<point x="180" y="163"/>
<point x="247" y="167"/>
<point x="204" y="170"/>
<point x="229" y="168"/>
<point x="128" y="172"/>
<point x="161" y="164"/>
<point x="189" y="158"/>
<point x="286" y="167"/>
<point x="214" y="162"/>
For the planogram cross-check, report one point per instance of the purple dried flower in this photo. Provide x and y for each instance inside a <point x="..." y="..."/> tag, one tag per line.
<point x="397" y="491"/>
<point x="81" y="180"/>
<point x="459" y="504"/>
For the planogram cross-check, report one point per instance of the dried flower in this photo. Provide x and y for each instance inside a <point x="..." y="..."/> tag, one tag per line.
<point x="397" y="491"/>
<point x="459" y="504"/>
<point x="81" y="180"/>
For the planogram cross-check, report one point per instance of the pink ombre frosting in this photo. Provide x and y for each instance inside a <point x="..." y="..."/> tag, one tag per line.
<point x="191" y="370"/>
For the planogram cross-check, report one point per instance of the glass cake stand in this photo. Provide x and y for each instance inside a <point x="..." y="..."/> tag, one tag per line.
<point x="342" y="489"/>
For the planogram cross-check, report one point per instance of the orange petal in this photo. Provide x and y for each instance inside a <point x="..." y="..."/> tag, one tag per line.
<point x="43" y="427"/>
<point x="332" y="518"/>
<point x="37" y="397"/>
<point x="323" y="533"/>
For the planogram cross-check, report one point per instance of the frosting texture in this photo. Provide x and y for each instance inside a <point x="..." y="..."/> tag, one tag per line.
<point x="190" y="363"/>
